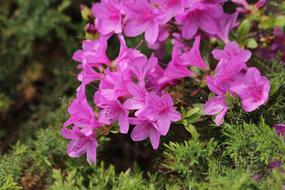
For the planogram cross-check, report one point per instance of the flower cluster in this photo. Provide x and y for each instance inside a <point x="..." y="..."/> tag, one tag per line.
<point x="232" y="76"/>
<point x="133" y="88"/>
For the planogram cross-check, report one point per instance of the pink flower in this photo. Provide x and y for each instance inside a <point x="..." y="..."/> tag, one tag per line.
<point x="225" y="24"/>
<point x="138" y="95"/>
<point x="280" y="129"/>
<point x="175" y="71"/>
<point x="232" y="53"/>
<point x="160" y="110"/>
<point x="142" y="67"/>
<point x="170" y="8"/>
<point x="253" y="89"/>
<point x="114" y="84"/>
<point x="80" y="143"/>
<point x="81" y="113"/>
<point x="108" y="16"/>
<point x="232" y="62"/>
<point x="193" y="57"/>
<point x="82" y="134"/>
<point x="127" y="56"/>
<point x="216" y="106"/>
<point x="225" y="74"/>
<point x="93" y="52"/>
<point x="88" y="74"/>
<point x="199" y="15"/>
<point x="182" y="58"/>
<point x="246" y="6"/>
<point x="142" y="17"/>
<point x="112" y="111"/>
<point x="145" y="128"/>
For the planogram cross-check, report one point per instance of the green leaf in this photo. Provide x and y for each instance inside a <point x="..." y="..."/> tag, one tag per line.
<point x="243" y="30"/>
<point x="251" y="43"/>
<point x="193" y="111"/>
<point x="266" y="22"/>
<point x="192" y="130"/>
<point x="280" y="21"/>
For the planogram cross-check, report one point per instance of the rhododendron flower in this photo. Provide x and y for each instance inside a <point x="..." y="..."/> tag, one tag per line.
<point x="80" y="143"/>
<point x="138" y="95"/>
<point x="199" y="15"/>
<point x="232" y="76"/>
<point x="127" y="56"/>
<point x="114" y="85"/>
<point x="93" y="52"/>
<point x="161" y="110"/>
<point x="224" y="26"/>
<point x="280" y="129"/>
<point x="112" y="111"/>
<point x="132" y="89"/>
<point x="182" y="57"/>
<point x="88" y="74"/>
<point x="143" y="129"/>
<point x="253" y="89"/>
<point x="193" y="57"/>
<point x="83" y="122"/>
<point x="142" y="67"/>
<point x="246" y="6"/>
<point x="81" y="113"/>
<point x="142" y="17"/>
<point x="225" y="74"/>
<point x="175" y="71"/>
<point x="170" y="8"/>
<point x="108" y="16"/>
<point x="216" y="106"/>
<point x="232" y="53"/>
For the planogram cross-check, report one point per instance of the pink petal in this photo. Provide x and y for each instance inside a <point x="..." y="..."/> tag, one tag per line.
<point x="154" y="138"/>
<point x="76" y="148"/>
<point x="140" y="133"/>
<point x="123" y="123"/>
<point x="91" y="152"/>
<point x="163" y="124"/>
<point x="189" y="29"/>
<point x="220" y="117"/>
<point x="133" y="28"/>
<point x="151" y="33"/>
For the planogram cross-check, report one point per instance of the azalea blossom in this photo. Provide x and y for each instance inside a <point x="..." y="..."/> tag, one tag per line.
<point x="80" y="143"/>
<point x="232" y="53"/>
<point x="253" y="90"/>
<point x="246" y="7"/>
<point x="83" y="123"/>
<point x="193" y="57"/>
<point x="199" y="15"/>
<point x="81" y="113"/>
<point x="171" y="8"/>
<point x="93" y="52"/>
<point x="234" y="77"/>
<point x="142" y="17"/>
<point x="144" y="129"/>
<point x="280" y="129"/>
<point x="216" y="106"/>
<point x="224" y="26"/>
<point x="160" y="110"/>
<point x="112" y="111"/>
<point x="108" y="16"/>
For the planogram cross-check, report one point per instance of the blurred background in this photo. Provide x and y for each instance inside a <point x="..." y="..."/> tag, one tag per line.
<point x="37" y="39"/>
